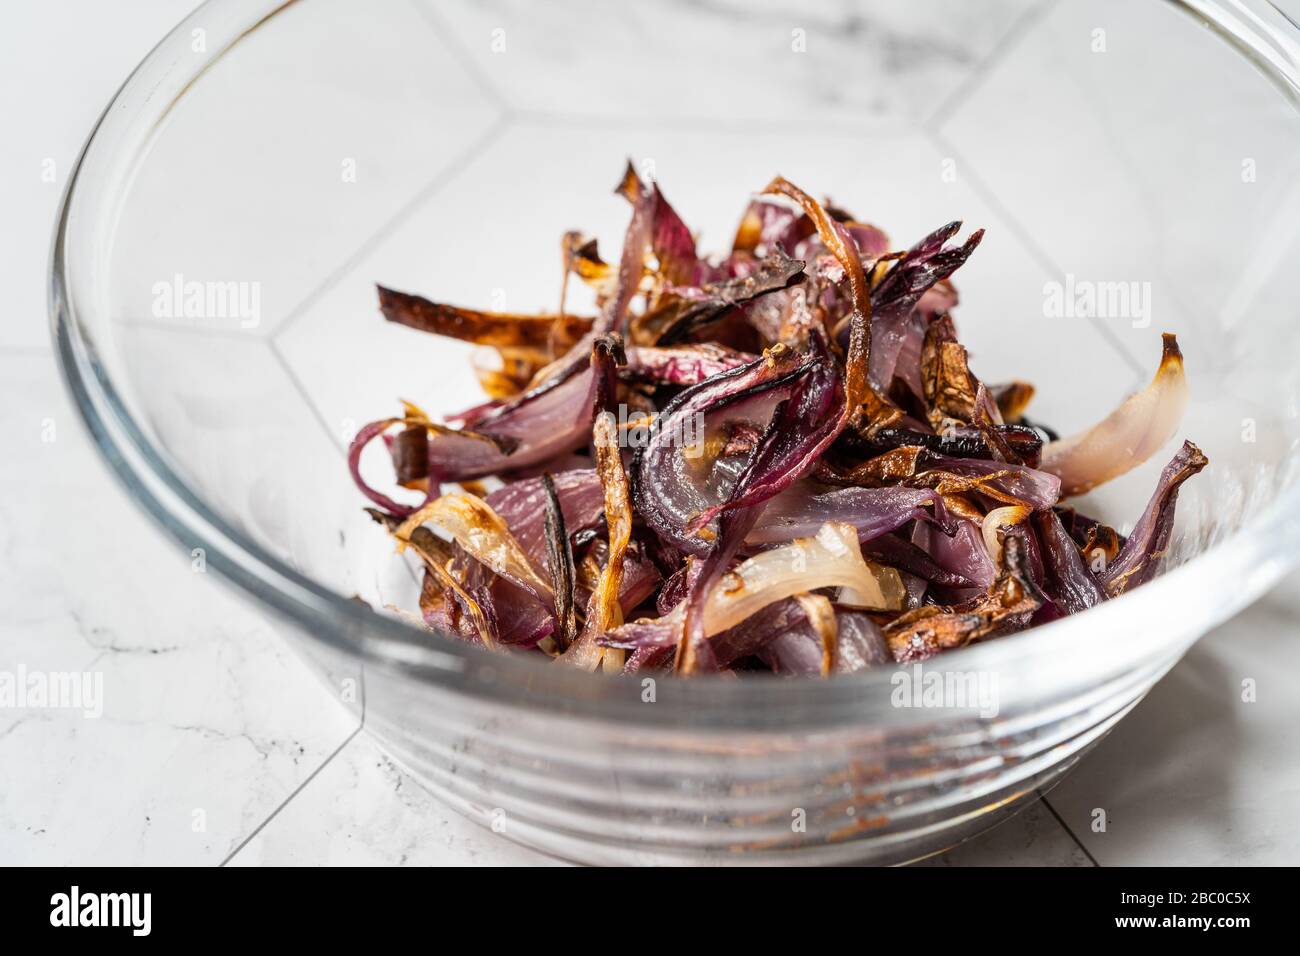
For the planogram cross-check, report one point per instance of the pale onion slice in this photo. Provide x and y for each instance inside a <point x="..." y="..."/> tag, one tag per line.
<point x="998" y="519"/>
<point x="480" y="531"/>
<point x="830" y="559"/>
<point x="1128" y="436"/>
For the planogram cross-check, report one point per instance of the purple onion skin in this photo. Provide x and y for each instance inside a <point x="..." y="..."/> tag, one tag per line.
<point x="861" y="643"/>
<point x="1038" y="489"/>
<point x="1142" y="554"/>
<point x="905" y="556"/>
<point x="799" y="512"/>
<point x="1067" y="581"/>
<point x="680" y="364"/>
<point x="892" y="301"/>
<point x="522" y="505"/>
<point x="541" y="424"/>
<point x="962" y="554"/>
<point x="667" y="492"/>
<point x="793" y="654"/>
<point x="799" y="432"/>
<point x="520" y="620"/>
<point x="364" y="437"/>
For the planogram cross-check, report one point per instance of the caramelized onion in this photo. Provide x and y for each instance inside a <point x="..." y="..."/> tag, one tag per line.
<point x="995" y="521"/>
<point x="480" y="531"/>
<point x="603" y="610"/>
<point x="831" y="558"/>
<point x="1128" y="436"/>
<point x="781" y="411"/>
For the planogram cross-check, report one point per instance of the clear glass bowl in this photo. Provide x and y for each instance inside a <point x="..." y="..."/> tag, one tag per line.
<point x="303" y="151"/>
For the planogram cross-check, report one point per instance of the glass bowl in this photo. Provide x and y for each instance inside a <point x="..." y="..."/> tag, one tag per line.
<point x="281" y="158"/>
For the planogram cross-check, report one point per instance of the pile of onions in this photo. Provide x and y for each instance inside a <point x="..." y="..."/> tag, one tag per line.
<point x="778" y="459"/>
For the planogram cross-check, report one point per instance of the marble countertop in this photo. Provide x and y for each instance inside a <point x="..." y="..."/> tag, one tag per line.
<point x="219" y="747"/>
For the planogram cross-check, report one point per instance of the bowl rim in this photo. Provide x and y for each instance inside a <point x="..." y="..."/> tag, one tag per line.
<point x="1178" y="606"/>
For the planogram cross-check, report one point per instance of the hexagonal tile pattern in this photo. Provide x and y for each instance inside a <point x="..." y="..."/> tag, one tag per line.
<point x="1137" y="209"/>
<point x="365" y="810"/>
<point x="914" y="135"/>
<point x="1199" y="774"/>
<point x="196" y="691"/>
<point x="722" y="69"/>
<point x="355" y="366"/>
<point x="325" y="171"/>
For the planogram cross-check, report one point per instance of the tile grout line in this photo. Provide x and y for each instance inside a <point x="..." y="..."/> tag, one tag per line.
<point x="426" y="192"/>
<point x="736" y="127"/>
<point x="1044" y="261"/>
<point x="1015" y="33"/>
<point x="931" y="126"/>
<point x="424" y="10"/>
<point x="217" y="332"/>
<point x="1066" y="827"/>
<point x="306" y="397"/>
<point x="289" y="799"/>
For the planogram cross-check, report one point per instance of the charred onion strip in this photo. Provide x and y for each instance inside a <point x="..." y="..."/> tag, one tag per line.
<point x="560" y="552"/>
<point x="676" y="317"/>
<point x="832" y="234"/>
<point x="833" y="237"/>
<point x="436" y="557"/>
<point x="603" y="611"/>
<point x="950" y="388"/>
<point x="481" y="328"/>
<point x="922" y="633"/>
<point x="1012" y="399"/>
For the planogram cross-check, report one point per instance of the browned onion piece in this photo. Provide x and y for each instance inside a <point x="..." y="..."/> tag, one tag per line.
<point x="922" y="633"/>
<point x="603" y="611"/>
<point x="1128" y="436"/>
<point x="560" y="551"/>
<point x="480" y="531"/>
<point x="482" y="328"/>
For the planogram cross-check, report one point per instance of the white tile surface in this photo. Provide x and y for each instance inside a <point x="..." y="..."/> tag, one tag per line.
<point x="205" y="710"/>
<point x="1032" y="837"/>
<point x="1196" y="774"/>
<point x="208" y="719"/>
<point x="905" y="68"/>
<point x="61" y="63"/>
<point x="343" y="164"/>
<point x="1199" y="169"/>
<point x="364" y="810"/>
